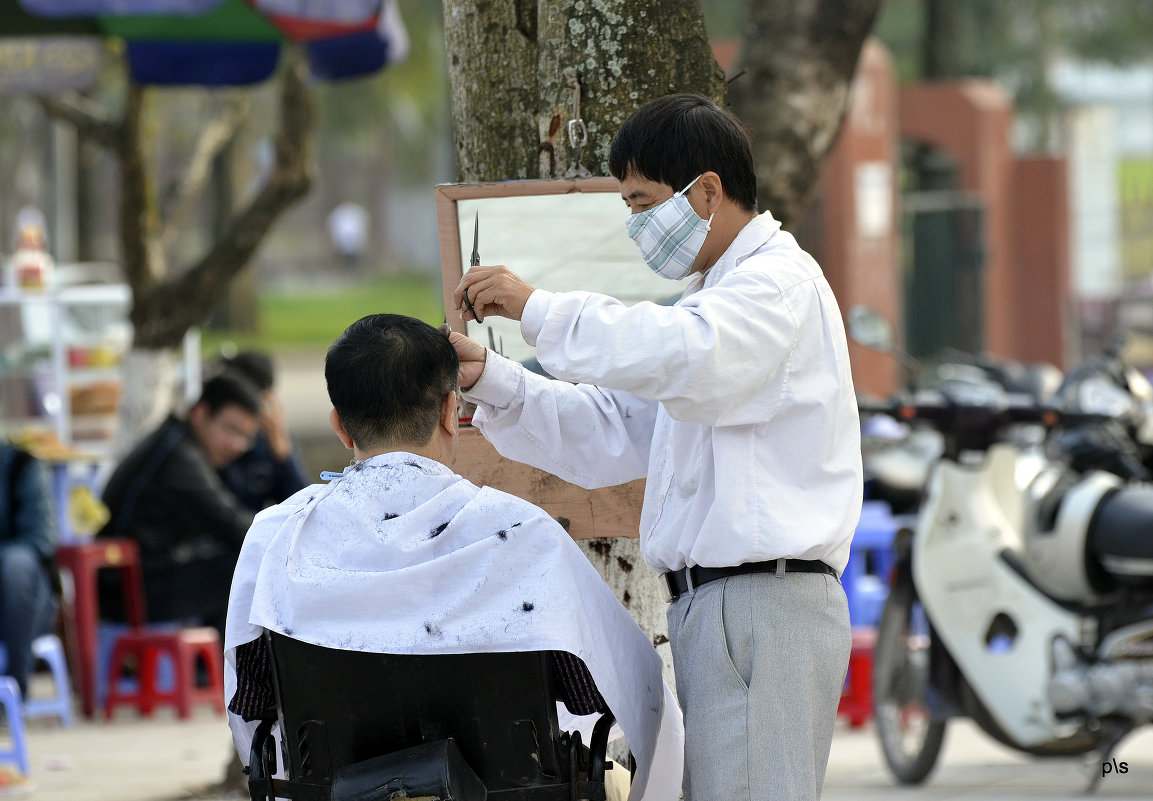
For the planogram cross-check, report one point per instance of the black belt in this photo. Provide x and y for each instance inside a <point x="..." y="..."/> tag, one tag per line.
<point x="678" y="581"/>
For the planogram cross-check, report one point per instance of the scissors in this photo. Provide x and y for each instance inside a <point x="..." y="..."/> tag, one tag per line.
<point x="473" y="262"/>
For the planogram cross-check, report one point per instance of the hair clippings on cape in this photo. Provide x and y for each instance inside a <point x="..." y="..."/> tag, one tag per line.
<point x="328" y="475"/>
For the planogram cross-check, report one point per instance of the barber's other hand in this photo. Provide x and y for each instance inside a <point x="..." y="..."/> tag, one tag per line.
<point x="472" y="356"/>
<point x="492" y="290"/>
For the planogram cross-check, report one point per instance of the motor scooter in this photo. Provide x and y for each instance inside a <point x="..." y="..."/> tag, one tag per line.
<point x="1022" y="596"/>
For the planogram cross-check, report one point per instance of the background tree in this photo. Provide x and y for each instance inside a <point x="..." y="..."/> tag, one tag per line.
<point x="169" y="299"/>
<point x="795" y="70"/>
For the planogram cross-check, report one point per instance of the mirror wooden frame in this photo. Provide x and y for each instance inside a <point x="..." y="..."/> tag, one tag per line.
<point x="607" y="512"/>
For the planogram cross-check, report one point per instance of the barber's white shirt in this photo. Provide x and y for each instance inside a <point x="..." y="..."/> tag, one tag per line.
<point x="736" y="403"/>
<point x="400" y="555"/>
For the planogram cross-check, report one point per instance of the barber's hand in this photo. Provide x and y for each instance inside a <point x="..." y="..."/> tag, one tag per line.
<point x="472" y="356"/>
<point x="492" y="290"/>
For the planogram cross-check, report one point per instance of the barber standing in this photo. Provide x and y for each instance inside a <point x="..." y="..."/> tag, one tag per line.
<point x="737" y="406"/>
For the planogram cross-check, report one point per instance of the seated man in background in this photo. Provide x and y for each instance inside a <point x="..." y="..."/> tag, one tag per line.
<point x="167" y="496"/>
<point x="400" y="555"/>
<point x="27" y="538"/>
<point x="271" y="469"/>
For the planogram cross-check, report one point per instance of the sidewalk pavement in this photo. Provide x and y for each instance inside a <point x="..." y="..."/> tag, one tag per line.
<point x="164" y="759"/>
<point x="129" y="758"/>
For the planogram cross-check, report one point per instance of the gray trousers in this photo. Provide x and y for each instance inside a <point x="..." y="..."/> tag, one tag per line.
<point x="760" y="662"/>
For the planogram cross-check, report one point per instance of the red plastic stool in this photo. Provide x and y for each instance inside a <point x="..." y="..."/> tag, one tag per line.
<point x="79" y="564"/>
<point x="857" y="698"/>
<point x="184" y="647"/>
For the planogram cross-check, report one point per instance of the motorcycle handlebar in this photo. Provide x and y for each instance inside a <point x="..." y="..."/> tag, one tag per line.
<point x="945" y="413"/>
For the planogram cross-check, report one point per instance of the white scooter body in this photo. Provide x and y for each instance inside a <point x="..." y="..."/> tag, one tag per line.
<point x="971" y="514"/>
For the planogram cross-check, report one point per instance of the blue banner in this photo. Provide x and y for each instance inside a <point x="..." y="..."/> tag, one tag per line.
<point x="87" y="8"/>
<point x="344" y="12"/>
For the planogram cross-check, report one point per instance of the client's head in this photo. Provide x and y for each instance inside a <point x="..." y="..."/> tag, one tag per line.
<point x="392" y="383"/>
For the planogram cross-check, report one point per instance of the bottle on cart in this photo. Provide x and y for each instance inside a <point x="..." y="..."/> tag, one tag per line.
<point x="31" y="266"/>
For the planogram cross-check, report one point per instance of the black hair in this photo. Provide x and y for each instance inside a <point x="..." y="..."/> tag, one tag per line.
<point x="257" y="367"/>
<point x="230" y="388"/>
<point x="387" y="377"/>
<point x="675" y="138"/>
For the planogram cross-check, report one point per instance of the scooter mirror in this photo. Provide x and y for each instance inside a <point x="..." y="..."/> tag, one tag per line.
<point x="868" y="328"/>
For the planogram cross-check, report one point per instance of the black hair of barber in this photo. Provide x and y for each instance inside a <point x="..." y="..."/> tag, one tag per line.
<point x="675" y="138"/>
<point x="256" y="366"/>
<point x="229" y="389"/>
<point x="387" y="376"/>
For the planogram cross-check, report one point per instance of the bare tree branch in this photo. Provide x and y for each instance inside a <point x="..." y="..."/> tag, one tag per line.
<point x="137" y="253"/>
<point x="86" y="115"/>
<point x="213" y="139"/>
<point x="174" y="306"/>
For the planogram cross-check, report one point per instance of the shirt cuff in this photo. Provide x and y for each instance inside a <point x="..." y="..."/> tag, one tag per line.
<point x="499" y="384"/>
<point x="534" y="314"/>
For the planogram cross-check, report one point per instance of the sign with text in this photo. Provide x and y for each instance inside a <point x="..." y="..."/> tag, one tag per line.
<point x="43" y="64"/>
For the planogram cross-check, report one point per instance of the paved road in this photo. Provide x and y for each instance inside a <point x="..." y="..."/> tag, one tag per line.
<point x="974" y="767"/>
<point x="131" y="759"/>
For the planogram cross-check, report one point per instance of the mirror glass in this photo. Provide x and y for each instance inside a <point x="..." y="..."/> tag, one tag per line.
<point x="868" y="328"/>
<point x="556" y="235"/>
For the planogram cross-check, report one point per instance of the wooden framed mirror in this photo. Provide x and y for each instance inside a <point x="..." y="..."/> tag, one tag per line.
<point x="558" y="235"/>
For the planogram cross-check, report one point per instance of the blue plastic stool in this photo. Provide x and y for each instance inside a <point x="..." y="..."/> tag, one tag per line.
<point x="51" y="651"/>
<point x="17" y="752"/>
<point x="873" y="538"/>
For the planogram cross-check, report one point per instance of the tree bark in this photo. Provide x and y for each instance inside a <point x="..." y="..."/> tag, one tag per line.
<point x="798" y="58"/>
<point x="506" y="63"/>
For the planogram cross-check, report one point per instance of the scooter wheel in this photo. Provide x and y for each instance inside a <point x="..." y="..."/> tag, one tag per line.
<point x="910" y="738"/>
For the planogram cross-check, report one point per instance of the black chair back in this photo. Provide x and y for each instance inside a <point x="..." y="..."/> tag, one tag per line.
<point x="341" y="707"/>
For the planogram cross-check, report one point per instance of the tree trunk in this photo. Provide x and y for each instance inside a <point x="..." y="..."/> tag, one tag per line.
<point x="506" y="65"/>
<point x="798" y="59"/>
<point x="148" y="390"/>
<point x="941" y="45"/>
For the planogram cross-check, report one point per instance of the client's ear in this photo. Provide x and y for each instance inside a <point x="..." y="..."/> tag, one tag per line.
<point x="449" y="419"/>
<point x="338" y="426"/>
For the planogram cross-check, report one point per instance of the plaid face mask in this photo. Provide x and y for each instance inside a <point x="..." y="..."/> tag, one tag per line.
<point x="669" y="235"/>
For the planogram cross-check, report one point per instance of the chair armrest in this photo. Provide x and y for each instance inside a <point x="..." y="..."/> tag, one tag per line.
<point x="598" y="746"/>
<point x="262" y="762"/>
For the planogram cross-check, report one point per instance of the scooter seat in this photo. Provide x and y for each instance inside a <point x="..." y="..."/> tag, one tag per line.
<point x="1121" y="535"/>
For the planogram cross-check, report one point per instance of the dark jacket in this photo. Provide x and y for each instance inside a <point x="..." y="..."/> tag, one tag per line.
<point x="25" y="504"/>
<point x="166" y="495"/>
<point x="258" y="479"/>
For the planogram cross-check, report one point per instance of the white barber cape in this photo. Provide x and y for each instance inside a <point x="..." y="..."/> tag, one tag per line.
<point x="400" y="555"/>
